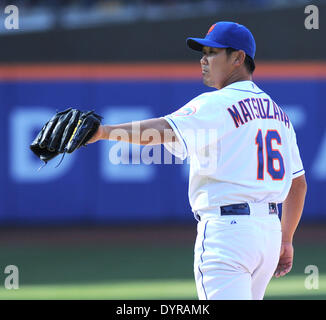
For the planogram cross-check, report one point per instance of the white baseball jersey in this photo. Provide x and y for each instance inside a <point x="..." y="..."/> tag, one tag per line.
<point x="241" y="145"/>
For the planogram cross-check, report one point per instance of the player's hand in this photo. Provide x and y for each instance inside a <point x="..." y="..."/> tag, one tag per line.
<point x="286" y="260"/>
<point x="98" y="135"/>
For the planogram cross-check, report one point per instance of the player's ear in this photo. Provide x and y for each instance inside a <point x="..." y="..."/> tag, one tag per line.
<point x="239" y="57"/>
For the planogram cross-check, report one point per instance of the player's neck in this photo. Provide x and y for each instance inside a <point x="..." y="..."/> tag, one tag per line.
<point x="236" y="78"/>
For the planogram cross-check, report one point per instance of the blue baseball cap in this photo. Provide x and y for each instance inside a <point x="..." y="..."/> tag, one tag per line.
<point x="225" y="34"/>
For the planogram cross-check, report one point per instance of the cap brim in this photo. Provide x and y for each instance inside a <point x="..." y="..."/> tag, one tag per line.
<point x="198" y="44"/>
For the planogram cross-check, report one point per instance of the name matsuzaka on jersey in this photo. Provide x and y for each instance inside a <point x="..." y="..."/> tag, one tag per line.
<point x="257" y="108"/>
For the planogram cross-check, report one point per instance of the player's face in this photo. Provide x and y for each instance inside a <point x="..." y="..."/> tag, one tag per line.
<point x="216" y="67"/>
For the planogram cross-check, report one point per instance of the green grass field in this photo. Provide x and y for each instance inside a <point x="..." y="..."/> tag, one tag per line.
<point x="132" y="272"/>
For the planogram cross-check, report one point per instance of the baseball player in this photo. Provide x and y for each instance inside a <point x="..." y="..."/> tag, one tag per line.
<point x="244" y="160"/>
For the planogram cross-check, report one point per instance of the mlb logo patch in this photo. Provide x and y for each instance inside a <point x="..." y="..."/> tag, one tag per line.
<point x="273" y="208"/>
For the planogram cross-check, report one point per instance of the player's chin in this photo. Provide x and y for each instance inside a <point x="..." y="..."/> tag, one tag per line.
<point x="206" y="80"/>
<point x="208" y="83"/>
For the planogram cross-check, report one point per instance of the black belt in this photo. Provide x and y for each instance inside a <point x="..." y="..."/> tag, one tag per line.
<point x="241" y="209"/>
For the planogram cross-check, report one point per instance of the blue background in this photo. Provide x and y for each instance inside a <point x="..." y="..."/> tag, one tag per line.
<point x="87" y="189"/>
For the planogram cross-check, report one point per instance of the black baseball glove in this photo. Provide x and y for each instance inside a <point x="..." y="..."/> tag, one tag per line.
<point x="65" y="132"/>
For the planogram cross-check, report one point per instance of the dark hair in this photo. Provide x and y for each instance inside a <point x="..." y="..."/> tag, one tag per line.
<point x="249" y="62"/>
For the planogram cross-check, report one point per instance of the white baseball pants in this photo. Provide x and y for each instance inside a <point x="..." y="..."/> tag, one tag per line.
<point x="236" y="256"/>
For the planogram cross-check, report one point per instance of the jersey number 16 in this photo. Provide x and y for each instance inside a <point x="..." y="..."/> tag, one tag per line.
<point x="272" y="155"/>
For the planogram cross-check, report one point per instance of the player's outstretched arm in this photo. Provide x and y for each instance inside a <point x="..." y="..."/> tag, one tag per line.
<point x="146" y="132"/>
<point x="291" y="213"/>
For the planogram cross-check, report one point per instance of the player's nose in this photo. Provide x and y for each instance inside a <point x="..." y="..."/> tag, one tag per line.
<point x="203" y="60"/>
